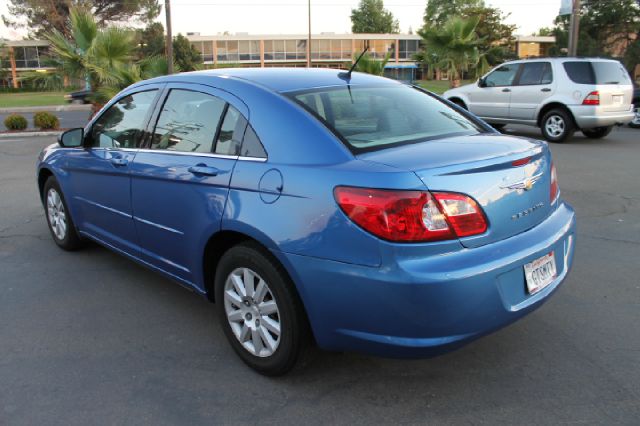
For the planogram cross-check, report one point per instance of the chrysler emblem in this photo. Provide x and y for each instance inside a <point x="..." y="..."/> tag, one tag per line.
<point x="525" y="184"/>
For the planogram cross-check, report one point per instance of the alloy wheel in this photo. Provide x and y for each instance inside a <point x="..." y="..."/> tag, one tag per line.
<point x="252" y="312"/>
<point x="555" y="126"/>
<point x="57" y="215"/>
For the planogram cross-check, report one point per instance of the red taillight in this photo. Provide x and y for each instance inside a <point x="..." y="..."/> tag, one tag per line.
<point x="463" y="213"/>
<point x="411" y="216"/>
<point x="553" y="192"/>
<point x="592" y="98"/>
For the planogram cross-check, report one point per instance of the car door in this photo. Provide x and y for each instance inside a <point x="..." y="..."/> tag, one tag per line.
<point x="534" y="84"/>
<point x="180" y="181"/>
<point x="99" y="173"/>
<point x="492" y="97"/>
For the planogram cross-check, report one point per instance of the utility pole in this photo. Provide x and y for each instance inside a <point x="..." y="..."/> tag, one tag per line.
<point x="167" y="9"/>
<point x="309" y="37"/>
<point x="574" y="29"/>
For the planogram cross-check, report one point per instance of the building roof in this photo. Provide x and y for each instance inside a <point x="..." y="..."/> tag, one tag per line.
<point x="535" y="39"/>
<point x="322" y="36"/>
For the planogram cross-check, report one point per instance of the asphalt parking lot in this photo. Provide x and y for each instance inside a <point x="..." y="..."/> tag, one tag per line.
<point x="92" y="338"/>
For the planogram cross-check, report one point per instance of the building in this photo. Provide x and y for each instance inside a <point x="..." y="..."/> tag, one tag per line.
<point x="533" y="46"/>
<point x="19" y="56"/>
<point x="327" y="49"/>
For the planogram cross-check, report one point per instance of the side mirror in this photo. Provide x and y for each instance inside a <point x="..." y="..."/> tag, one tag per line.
<point x="71" y="138"/>
<point x="482" y="82"/>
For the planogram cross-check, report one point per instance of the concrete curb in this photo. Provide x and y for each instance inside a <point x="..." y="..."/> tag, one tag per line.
<point x="28" y="134"/>
<point x="50" y="108"/>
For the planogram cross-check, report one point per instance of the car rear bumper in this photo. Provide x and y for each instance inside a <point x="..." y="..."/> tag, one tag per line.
<point x="588" y="117"/>
<point x="416" y="307"/>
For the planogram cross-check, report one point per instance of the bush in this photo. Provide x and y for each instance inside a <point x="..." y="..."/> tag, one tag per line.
<point x="15" y="122"/>
<point x="45" y="120"/>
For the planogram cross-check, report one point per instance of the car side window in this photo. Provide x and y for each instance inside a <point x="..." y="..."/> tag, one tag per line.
<point x="188" y="122"/>
<point x="502" y="76"/>
<point x="535" y="73"/>
<point x="121" y="126"/>
<point x="231" y="131"/>
<point x="251" y="145"/>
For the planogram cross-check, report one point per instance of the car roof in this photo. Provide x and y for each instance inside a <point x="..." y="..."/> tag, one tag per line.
<point x="283" y="79"/>
<point x="562" y="59"/>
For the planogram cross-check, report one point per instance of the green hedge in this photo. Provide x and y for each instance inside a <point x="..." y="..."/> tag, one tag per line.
<point x="15" y="122"/>
<point x="45" y="121"/>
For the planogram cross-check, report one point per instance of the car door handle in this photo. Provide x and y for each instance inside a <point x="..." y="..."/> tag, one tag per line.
<point x="506" y="90"/>
<point x="204" y="170"/>
<point x="546" y="89"/>
<point x="119" y="161"/>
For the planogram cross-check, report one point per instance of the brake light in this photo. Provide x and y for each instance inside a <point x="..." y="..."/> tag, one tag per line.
<point x="521" y="162"/>
<point x="554" y="190"/>
<point x="463" y="213"/>
<point x="411" y="216"/>
<point x="592" y="98"/>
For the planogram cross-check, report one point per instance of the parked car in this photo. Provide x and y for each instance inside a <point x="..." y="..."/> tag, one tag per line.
<point x="559" y="95"/>
<point x="635" y="123"/>
<point x="78" y="97"/>
<point x="314" y="205"/>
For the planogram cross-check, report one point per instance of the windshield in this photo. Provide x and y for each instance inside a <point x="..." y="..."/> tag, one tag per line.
<point x="597" y="72"/>
<point x="371" y="118"/>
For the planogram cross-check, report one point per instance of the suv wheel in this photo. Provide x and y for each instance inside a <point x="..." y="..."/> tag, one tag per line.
<point x="635" y="123"/>
<point x="260" y="311"/>
<point x="557" y="125"/>
<point x="598" y="132"/>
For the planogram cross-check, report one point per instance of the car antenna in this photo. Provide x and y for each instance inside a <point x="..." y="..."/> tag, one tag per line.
<point x="347" y="75"/>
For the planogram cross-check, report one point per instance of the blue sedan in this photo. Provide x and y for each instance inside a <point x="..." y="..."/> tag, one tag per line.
<point x="317" y="206"/>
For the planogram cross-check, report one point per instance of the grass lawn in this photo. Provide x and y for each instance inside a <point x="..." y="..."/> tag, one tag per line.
<point x="439" y="86"/>
<point x="28" y="99"/>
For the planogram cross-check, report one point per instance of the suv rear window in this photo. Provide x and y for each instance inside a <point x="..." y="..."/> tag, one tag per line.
<point x="583" y="72"/>
<point x="378" y="117"/>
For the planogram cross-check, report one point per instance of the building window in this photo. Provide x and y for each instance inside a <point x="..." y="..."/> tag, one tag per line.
<point x="30" y="56"/>
<point x="379" y="49"/>
<point x="408" y="48"/>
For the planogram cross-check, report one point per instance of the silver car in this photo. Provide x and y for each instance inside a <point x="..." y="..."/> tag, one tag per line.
<point x="559" y="95"/>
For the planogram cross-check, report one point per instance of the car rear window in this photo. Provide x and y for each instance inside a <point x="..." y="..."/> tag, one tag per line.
<point x="372" y="118"/>
<point x="599" y="72"/>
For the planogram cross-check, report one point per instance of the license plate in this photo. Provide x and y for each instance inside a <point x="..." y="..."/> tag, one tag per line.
<point x="618" y="99"/>
<point x="540" y="273"/>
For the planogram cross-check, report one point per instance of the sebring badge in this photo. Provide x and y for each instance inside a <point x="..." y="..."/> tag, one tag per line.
<point x="525" y="184"/>
<point x="527" y="211"/>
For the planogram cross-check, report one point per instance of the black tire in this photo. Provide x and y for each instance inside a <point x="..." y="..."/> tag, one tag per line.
<point x="70" y="240"/>
<point x="565" y="127"/>
<point x="598" y="132"/>
<point x="635" y="123"/>
<point x="295" y="336"/>
<point x="459" y="103"/>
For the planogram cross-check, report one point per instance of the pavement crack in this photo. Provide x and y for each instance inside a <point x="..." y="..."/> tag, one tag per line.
<point x="619" y="240"/>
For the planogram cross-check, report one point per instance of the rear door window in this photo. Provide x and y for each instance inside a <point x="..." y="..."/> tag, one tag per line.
<point x="535" y="73"/>
<point x="188" y="122"/>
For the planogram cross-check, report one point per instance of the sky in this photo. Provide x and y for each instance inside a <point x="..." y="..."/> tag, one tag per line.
<point x="210" y="17"/>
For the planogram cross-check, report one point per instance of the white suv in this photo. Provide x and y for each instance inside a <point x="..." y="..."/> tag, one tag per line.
<point x="559" y="95"/>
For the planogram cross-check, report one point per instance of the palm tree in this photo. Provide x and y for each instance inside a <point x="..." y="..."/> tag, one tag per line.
<point x="92" y="55"/>
<point x="455" y="46"/>
<point x="368" y="64"/>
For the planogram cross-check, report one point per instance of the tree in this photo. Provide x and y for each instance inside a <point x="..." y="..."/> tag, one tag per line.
<point x="495" y="37"/>
<point x="454" y="46"/>
<point x="371" y="17"/>
<point x="42" y="17"/>
<point x="150" y="41"/>
<point x="438" y="12"/>
<point x="91" y="54"/>
<point x="606" y="28"/>
<point x="368" y="64"/>
<point x="185" y="55"/>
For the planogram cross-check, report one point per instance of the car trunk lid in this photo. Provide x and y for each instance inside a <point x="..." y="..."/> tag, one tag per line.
<point x="508" y="176"/>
